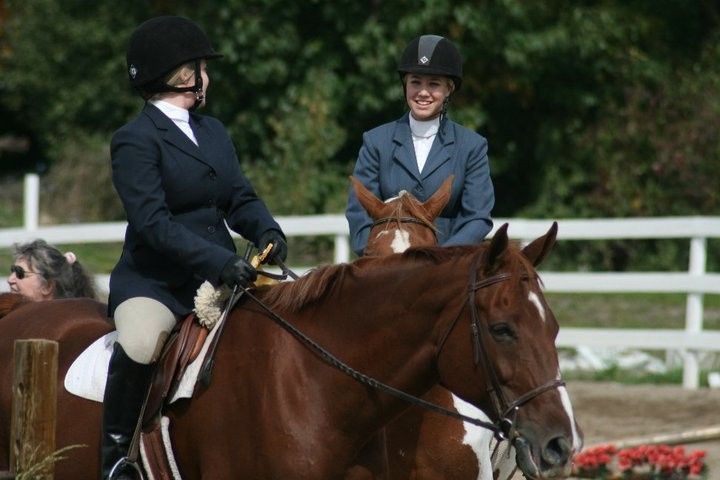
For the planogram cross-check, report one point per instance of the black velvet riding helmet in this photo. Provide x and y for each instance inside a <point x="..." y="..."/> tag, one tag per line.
<point x="432" y="55"/>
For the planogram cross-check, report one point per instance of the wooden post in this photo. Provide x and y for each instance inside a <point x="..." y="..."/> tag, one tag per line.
<point x="34" y="406"/>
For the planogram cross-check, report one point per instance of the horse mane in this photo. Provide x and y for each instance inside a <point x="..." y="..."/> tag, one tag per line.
<point x="11" y="301"/>
<point x="319" y="282"/>
<point x="314" y="285"/>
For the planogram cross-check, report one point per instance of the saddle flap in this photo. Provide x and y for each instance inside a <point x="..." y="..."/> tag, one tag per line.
<point x="180" y="349"/>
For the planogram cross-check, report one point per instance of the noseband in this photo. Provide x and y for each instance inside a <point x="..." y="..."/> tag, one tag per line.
<point x="505" y="412"/>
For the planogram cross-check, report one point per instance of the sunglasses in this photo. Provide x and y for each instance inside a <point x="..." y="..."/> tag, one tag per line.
<point x="20" y="271"/>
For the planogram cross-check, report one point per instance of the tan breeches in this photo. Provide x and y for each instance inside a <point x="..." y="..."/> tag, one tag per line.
<point x="143" y="325"/>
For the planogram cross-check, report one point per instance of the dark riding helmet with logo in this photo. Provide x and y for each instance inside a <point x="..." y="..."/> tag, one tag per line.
<point x="161" y="44"/>
<point x="432" y="55"/>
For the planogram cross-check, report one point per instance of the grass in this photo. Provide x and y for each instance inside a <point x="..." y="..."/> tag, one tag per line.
<point x="41" y="468"/>
<point x="100" y="258"/>
<point x="97" y="258"/>
<point x="673" y="376"/>
<point x="636" y="310"/>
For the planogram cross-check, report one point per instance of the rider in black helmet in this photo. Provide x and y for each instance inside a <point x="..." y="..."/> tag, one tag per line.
<point x="161" y="44"/>
<point x="432" y="55"/>
<point x="180" y="183"/>
<point x="420" y="150"/>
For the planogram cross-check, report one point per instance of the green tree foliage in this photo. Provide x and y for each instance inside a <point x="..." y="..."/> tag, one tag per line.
<point x="592" y="108"/>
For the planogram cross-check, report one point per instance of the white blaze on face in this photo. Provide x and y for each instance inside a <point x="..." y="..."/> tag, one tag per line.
<point x="401" y="241"/>
<point x="565" y="399"/>
<point x="533" y="297"/>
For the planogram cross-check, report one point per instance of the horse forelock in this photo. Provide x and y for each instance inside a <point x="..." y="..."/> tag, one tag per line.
<point x="408" y="206"/>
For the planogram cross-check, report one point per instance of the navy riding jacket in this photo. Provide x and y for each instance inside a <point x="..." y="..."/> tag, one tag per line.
<point x="386" y="164"/>
<point x="178" y="198"/>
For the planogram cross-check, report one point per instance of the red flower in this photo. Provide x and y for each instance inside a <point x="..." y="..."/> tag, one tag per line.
<point x="658" y="461"/>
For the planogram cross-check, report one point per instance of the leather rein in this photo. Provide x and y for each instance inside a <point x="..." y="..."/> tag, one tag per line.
<point x="503" y="428"/>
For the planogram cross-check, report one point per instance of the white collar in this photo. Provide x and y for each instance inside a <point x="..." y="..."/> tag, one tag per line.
<point x="173" y="112"/>
<point x="424" y="129"/>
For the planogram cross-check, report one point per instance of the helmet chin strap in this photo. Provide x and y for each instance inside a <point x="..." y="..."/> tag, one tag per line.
<point x="197" y="89"/>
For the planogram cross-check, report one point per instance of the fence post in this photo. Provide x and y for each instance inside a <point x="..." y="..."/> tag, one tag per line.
<point x="31" y="201"/>
<point x="32" y="437"/>
<point x="342" y="249"/>
<point x="694" y="312"/>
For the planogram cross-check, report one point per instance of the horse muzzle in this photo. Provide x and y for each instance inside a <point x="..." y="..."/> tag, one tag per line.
<point x="552" y="461"/>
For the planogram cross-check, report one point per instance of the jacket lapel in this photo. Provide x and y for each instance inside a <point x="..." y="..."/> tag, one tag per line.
<point x="404" y="152"/>
<point x="441" y="150"/>
<point x="172" y="134"/>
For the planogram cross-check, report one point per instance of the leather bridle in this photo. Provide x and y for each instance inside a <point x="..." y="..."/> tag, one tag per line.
<point x="400" y="220"/>
<point x="505" y="412"/>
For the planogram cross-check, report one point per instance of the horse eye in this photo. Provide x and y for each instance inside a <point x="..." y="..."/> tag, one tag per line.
<point x="502" y="331"/>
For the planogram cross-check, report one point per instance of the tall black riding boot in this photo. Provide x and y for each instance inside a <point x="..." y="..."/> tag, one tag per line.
<point x="126" y="388"/>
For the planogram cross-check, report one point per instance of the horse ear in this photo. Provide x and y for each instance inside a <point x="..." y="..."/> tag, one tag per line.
<point x="498" y="245"/>
<point x="370" y="202"/>
<point x="537" y="250"/>
<point x="435" y="204"/>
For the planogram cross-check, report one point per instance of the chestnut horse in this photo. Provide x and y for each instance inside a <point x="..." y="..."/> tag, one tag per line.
<point x="472" y="319"/>
<point x="421" y="444"/>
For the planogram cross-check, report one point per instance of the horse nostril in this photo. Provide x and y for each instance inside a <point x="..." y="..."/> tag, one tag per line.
<point x="557" y="451"/>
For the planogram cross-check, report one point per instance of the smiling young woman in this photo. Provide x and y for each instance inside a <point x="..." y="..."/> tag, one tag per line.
<point x="426" y="95"/>
<point x="417" y="152"/>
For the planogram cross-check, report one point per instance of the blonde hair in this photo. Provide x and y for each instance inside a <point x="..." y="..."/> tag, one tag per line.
<point x="180" y="75"/>
<point x="449" y="80"/>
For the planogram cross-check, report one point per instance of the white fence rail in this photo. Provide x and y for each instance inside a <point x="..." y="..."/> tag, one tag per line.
<point x="695" y="282"/>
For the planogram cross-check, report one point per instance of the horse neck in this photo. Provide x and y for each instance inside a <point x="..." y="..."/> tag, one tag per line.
<point x="391" y="333"/>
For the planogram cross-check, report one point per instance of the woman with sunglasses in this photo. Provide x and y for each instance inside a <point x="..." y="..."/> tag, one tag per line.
<point x="42" y="272"/>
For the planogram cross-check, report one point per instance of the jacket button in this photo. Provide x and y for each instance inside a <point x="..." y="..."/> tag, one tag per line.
<point x="212" y="175"/>
<point x="211" y="229"/>
<point x="210" y="202"/>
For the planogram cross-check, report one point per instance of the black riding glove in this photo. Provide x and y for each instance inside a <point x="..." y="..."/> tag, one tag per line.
<point x="238" y="271"/>
<point x="279" y="249"/>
